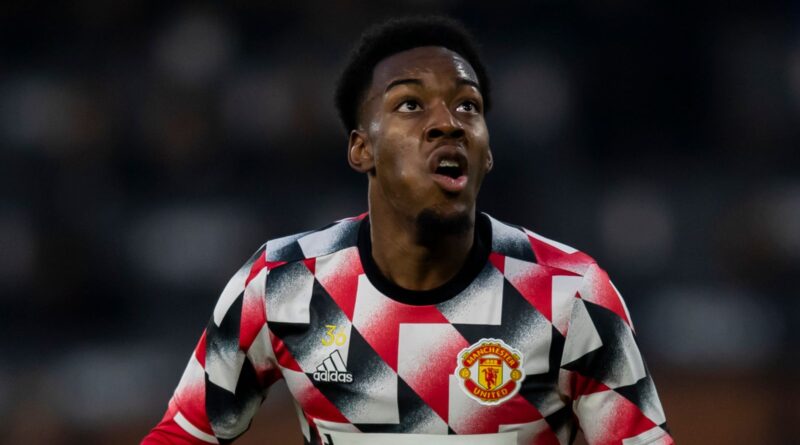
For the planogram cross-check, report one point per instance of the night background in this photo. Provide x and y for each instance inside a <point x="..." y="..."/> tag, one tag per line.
<point x="148" y="148"/>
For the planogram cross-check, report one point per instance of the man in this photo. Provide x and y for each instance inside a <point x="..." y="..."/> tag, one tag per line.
<point x="421" y="320"/>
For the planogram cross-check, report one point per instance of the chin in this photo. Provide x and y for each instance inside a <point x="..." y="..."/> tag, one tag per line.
<point x="437" y="222"/>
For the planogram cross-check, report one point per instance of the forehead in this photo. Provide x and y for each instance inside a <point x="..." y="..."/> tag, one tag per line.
<point x="421" y="61"/>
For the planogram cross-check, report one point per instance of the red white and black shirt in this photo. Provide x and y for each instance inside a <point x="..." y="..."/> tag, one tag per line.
<point x="529" y="342"/>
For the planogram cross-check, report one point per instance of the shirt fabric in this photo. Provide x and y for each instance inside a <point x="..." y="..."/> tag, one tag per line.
<point x="527" y="343"/>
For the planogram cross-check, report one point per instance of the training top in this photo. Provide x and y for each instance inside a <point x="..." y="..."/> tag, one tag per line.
<point x="529" y="342"/>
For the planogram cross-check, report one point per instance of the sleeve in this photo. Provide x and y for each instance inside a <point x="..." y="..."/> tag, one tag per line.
<point x="230" y="370"/>
<point x="613" y="396"/>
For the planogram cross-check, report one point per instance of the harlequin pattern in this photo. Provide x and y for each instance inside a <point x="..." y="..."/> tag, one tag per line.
<point x="303" y="299"/>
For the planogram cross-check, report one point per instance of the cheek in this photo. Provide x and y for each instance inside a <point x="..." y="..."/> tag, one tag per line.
<point x="397" y="155"/>
<point x="480" y="134"/>
<point x="397" y="168"/>
<point x="480" y="139"/>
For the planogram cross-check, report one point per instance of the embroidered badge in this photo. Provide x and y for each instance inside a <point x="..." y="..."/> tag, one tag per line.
<point x="490" y="370"/>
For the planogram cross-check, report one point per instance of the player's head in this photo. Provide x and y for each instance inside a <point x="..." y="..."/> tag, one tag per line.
<point x="413" y="97"/>
<point x="394" y="36"/>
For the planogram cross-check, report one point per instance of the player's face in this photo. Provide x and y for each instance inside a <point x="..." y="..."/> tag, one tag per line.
<point x="423" y="126"/>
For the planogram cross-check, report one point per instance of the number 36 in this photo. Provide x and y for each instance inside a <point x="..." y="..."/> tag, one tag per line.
<point x="331" y="338"/>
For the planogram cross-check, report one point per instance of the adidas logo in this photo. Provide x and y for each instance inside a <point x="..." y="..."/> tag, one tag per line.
<point x="332" y="369"/>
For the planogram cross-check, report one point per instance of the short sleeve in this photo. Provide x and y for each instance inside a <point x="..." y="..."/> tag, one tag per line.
<point x="603" y="372"/>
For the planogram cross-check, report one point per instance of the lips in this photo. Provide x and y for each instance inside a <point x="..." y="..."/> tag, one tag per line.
<point x="449" y="166"/>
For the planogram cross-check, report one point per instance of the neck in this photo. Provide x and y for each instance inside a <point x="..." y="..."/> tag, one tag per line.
<point x="413" y="257"/>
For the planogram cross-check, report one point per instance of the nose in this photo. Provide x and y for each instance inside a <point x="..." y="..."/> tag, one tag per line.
<point x="443" y="124"/>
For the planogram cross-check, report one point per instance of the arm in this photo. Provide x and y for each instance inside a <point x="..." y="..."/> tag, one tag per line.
<point x="230" y="370"/>
<point x="169" y="432"/>
<point x="614" y="398"/>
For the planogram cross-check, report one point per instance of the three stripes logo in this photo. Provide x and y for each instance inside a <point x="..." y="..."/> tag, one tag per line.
<point x="332" y="369"/>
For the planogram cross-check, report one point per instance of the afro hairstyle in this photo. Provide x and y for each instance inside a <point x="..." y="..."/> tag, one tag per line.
<point x="393" y="36"/>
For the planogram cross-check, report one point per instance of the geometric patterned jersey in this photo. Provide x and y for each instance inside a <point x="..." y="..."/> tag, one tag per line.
<point x="529" y="342"/>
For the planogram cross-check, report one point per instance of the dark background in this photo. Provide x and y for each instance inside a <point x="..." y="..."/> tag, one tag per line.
<point x="148" y="148"/>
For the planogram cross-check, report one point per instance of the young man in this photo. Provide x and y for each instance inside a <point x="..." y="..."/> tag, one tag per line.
<point x="421" y="320"/>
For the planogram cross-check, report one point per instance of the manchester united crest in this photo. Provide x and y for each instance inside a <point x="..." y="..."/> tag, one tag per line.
<point x="490" y="370"/>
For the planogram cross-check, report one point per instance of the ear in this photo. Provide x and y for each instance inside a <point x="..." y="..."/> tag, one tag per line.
<point x="489" y="161"/>
<point x="359" y="152"/>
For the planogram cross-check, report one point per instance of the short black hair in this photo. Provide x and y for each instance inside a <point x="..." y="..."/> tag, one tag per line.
<point x="393" y="36"/>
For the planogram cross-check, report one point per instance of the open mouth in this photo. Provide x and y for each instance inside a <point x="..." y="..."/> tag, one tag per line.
<point x="450" y="168"/>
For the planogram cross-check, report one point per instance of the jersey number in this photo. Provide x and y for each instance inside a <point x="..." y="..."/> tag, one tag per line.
<point x="331" y="337"/>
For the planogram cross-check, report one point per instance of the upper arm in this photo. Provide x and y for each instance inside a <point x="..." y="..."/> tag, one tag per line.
<point x="613" y="394"/>
<point x="232" y="365"/>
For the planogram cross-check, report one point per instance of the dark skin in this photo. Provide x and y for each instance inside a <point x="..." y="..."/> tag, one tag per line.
<point x="422" y="111"/>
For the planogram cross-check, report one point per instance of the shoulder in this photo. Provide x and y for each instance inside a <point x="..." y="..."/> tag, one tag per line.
<point x="589" y="281"/>
<point x="517" y="242"/>
<point x="329" y="239"/>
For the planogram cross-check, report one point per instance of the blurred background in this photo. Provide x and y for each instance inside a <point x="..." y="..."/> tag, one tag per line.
<point x="148" y="148"/>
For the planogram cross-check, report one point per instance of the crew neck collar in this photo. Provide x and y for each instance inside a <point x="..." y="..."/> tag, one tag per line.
<point x="476" y="260"/>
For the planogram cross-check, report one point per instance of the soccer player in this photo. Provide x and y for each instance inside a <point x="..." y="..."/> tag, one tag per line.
<point x="422" y="320"/>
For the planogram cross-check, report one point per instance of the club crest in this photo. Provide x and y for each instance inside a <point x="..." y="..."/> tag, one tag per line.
<point x="490" y="371"/>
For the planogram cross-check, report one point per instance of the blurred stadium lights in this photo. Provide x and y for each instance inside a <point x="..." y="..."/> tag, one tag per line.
<point x="195" y="48"/>
<point x="781" y="218"/>
<point x="19" y="243"/>
<point x="637" y="228"/>
<point x="40" y="113"/>
<point x="146" y="150"/>
<point x="183" y="245"/>
<point x="535" y="98"/>
<point x="706" y="327"/>
<point x="105" y="386"/>
<point x="255" y="105"/>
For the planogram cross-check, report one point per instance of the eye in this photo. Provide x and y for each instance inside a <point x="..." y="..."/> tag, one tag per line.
<point x="409" y="106"/>
<point x="468" y="106"/>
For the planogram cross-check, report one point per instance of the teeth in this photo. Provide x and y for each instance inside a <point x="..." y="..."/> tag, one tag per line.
<point x="448" y="163"/>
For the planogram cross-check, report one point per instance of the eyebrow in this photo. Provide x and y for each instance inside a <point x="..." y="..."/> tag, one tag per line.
<point x="470" y="82"/>
<point x="397" y="82"/>
<point x="412" y="81"/>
